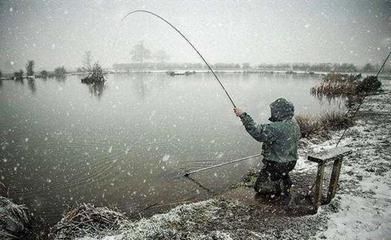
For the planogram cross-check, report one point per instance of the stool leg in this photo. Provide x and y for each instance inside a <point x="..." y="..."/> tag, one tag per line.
<point x="318" y="187"/>
<point x="334" y="179"/>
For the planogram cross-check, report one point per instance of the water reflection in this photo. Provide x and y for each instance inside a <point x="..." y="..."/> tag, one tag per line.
<point x="337" y="99"/>
<point x="97" y="89"/>
<point x="19" y="81"/>
<point x="31" y="84"/>
<point x="200" y="185"/>
<point x="139" y="85"/>
<point x="60" y="78"/>
<point x="142" y="84"/>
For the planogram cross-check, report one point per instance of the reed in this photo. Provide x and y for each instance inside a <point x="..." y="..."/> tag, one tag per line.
<point x="320" y="126"/>
<point x="337" y="84"/>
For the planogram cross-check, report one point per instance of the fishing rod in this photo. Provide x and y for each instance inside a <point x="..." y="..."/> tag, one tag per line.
<point x="195" y="49"/>
<point x="221" y="164"/>
<point x="359" y="106"/>
<point x="382" y="66"/>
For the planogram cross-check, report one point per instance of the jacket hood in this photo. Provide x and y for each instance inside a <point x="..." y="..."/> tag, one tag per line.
<point x="281" y="110"/>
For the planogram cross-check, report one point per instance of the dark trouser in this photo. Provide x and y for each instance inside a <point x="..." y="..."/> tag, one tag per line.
<point x="271" y="175"/>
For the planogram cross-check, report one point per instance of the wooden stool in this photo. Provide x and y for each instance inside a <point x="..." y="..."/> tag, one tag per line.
<point x="336" y="155"/>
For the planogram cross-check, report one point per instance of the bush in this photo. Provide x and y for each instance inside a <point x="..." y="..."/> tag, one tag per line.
<point x="18" y="76"/>
<point x="44" y="74"/>
<point x="96" y="76"/>
<point x="60" y="72"/>
<point x="369" y="84"/>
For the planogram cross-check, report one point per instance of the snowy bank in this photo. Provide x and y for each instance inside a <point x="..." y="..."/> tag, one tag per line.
<point x="364" y="197"/>
<point x="214" y="219"/>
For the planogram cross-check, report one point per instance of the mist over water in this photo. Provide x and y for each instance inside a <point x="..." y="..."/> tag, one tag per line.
<point x="127" y="144"/>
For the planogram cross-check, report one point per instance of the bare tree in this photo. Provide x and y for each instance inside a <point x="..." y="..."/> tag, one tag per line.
<point x="140" y="53"/>
<point x="246" y="65"/>
<point x="30" y="68"/>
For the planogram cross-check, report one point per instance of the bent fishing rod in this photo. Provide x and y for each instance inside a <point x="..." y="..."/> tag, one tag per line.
<point x="187" y="40"/>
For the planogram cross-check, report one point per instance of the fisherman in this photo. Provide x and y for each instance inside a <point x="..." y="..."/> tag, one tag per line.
<point x="280" y="139"/>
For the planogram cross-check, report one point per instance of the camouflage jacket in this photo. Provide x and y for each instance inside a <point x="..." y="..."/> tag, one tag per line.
<point x="280" y="138"/>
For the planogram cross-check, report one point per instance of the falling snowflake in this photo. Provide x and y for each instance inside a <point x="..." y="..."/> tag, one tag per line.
<point x="166" y="157"/>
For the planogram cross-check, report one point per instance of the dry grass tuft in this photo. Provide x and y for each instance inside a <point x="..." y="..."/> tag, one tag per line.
<point x="309" y="126"/>
<point x="320" y="126"/>
<point x="86" y="219"/>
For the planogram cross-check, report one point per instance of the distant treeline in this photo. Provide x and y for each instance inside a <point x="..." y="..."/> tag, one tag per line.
<point x="128" y="67"/>
<point x="319" y="67"/>
<point x="58" y="72"/>
<point x="324" y="67"/>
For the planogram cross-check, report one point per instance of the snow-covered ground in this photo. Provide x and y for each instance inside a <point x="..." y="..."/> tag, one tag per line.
<point x="364" y="197"/>
<point x="360" y="210"/>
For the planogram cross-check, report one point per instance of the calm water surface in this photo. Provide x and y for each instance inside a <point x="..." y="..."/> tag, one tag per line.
<point x="127" y="144"/>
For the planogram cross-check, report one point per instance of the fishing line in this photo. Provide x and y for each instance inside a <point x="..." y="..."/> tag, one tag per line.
<point x="195" y="49"/>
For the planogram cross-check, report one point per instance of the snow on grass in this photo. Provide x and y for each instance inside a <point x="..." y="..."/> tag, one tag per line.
<point x="359" y="218"/>
<point x="168" y="225"/>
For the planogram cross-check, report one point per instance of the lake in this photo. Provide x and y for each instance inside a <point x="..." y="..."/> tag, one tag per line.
<point x="127" y="144"/>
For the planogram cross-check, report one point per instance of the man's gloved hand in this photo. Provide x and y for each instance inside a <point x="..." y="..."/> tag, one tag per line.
<point x="238" y="112"/>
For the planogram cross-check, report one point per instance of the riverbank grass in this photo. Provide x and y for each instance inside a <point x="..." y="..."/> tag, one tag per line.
<point x="338" y="84"/>
<point x="311" y="126"/>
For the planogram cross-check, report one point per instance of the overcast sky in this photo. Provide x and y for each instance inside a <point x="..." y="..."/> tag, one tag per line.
<point x="55" y="33"/>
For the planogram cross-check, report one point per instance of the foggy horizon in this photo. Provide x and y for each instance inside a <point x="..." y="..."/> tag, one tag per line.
<point x="58" y="33"/>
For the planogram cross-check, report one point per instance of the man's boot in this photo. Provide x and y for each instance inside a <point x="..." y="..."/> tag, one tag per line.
<point x="262" y="182"/>
<point x="287" y="184"/>
<point x="277" y="189"/>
